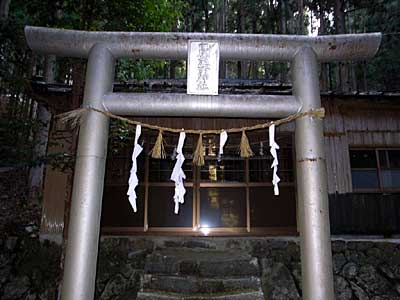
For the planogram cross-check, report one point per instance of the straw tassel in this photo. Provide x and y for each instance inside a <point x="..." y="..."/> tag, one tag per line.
<point x="198" y="157"/>
<point x="245" y="150"/>
<point x="319" y="113"/>
<point x="72" y="118"/>
<point x="158" y="150"/>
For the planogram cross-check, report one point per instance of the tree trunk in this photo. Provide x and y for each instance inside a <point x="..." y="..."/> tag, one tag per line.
<point x="41" y="136"/>
<point x="339" y="17"/>
<point x="340" y="28"/>
<point x="321" y="31"/>
<point x="284" y="67"/>
<point x="192" y="16"/>
<point x="50" y="69"/>
<point x="4" y="8"/>
<point x="173" y="63"/>
<point x="283" y="6"/>
<point x="254" y="64"/>
<point x="205" y="9"/>
<point x="78" y="79"/>
<point x="41" y="139"/>
<point x="242" y="65"/>
<point x="301" y="17"/>
<point x="221" y="27"/>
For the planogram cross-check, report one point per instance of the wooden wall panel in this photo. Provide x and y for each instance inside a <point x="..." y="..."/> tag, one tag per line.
<point x="53" y="202"/>
<point x="357" y="123"/>
<point x="359" y="213"/>
<point x="374" y="138"/>
<point x="338" y="164"/>
<point x="56" y="185"/>
<point x="330" y="171"/>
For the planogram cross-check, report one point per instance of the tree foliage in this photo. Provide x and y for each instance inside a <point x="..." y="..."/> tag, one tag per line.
<point x="18" y="64"/>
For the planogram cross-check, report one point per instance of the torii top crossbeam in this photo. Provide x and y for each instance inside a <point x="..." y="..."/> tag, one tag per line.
<point x="159" y="45"/>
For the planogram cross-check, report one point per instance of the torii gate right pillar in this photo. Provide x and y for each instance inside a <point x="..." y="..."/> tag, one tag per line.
<point x="312" y="188"/>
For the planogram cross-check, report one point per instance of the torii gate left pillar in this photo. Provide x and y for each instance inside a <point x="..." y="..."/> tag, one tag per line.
<point x="102" y="48"/>
<point x="82" y="247"/>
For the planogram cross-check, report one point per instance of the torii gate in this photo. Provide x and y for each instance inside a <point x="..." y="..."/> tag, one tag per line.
<point x="103" y="48"/>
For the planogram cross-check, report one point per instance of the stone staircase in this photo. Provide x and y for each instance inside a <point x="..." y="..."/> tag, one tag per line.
<point x="198" y="274"/>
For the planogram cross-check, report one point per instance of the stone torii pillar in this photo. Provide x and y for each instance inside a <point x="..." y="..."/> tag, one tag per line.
<point x="103" y="48"/>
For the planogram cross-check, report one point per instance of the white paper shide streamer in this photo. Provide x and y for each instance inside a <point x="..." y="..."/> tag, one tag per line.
<point x="273" y="147"/>
<point x="223" y="137"/>
<point x="178" y="175"/>
<point x="133" y="179"/>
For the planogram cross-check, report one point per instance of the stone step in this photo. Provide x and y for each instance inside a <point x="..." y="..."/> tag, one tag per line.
<point x="195" y="285"/>
<point x="201" y="262"/>
<point x="150" y="295"/>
